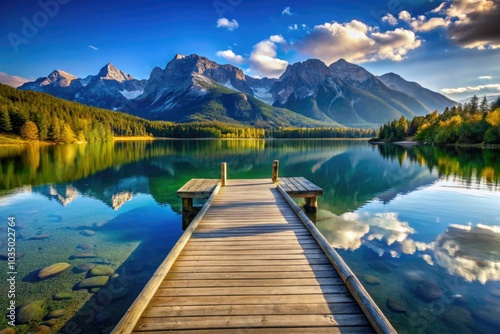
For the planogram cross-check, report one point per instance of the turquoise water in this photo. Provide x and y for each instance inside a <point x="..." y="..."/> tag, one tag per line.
<point x="419" y="226"/>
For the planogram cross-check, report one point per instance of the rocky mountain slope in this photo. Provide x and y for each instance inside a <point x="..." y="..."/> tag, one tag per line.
<point x="195" y="88"/>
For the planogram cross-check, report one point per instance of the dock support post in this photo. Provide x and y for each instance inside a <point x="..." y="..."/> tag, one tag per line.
<point x="223" y="174"/>
<point x="276" y="166"/>
<point x="187" y="204"/>
<point x="311" y="204"/>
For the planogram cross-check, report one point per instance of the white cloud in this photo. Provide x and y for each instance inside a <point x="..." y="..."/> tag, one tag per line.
<point x="225" y="23"/>
<point x="277" y="39"/>
<point x="421" y="23"/>
<point x="389" y="18"/>
<point x="405" y="16"/>
<point x="230" y="56"/>
<point x="472" y="89"/>
<point x="12" y="80"/>
<point x="263" y="59"/>
<point x="356" y="42"/>
<point x="472" y="24"/>
<point x="439" y="9"/>
<point x="287" y="11"/>
<point x="296" y="26"/>
<point x="93" y="47"/>
<point x="485" y="77"/>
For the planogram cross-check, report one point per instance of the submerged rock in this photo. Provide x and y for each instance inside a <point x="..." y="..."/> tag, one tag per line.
<point x="458" y="316"/>
<point x="92" y="282"/>
<point x="396" y="305"/>
<point x="119" y="292"/>
<point x="40" y="236"/>
<point x="495" y="292"/>
<point x="42" y="329"/>
<point x="370" y="279"/>
<point x="428" y="291"/>
<point x="83" y="267"/>
<point x="491" y="300"/>
<point x="489" y="314"/>
<point x="55" y="314"/>
<point x="379" y="266"/>
<point x="51" y="322"/>
<point x="82" y="256"/>
<point x="84" y="247"/>
<point x="102" y="317"/>
<point x="9" y="330"/>
<point x="87" y="233"/>
<point x="101" y="270"/>
<point x="53" y="270"/>
<point x="63" y="295"/>
<point x="31" y="311"/>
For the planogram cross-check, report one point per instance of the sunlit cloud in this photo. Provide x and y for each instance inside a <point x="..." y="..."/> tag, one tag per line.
<point x="472" y="24"/>
<point x="472" y="89"/>
<point x="12" y="80"/>
<point x="356" y="42"/>
<point x="225" y="23"/>
<point x="263" y="58"/>
<point x="263" y="61"/>
<point x="389" y="18"/>
<point x="230" y="56"/>
<point x="93" y="47"/>
<point x="421" y="23"/>
<point x="485" y="77"/>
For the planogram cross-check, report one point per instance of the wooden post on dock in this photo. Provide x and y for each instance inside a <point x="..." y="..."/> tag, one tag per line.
<point x="223" y="174"/>
<point x="276" y="166"/>
<point x="311" y="204"/>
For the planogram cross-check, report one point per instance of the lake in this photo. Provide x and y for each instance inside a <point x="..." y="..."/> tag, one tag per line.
<point x="420" y="226"/>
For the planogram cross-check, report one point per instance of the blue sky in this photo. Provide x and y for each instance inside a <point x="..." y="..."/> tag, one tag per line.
<point x="449" y="46"/>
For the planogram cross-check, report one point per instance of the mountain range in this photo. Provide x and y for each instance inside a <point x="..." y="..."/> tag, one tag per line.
<point x="194" y="88"/>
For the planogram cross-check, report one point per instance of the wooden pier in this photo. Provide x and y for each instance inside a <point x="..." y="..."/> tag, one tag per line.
<point x="252" y="262"/>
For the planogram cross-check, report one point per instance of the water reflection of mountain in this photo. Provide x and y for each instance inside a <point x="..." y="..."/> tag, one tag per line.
<point x="351" y="173"/>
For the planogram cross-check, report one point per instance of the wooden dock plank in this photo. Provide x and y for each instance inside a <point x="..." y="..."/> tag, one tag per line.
<point x="251" y="266"/>
<point x="185" y="283"/>
<point x="252" y="321"/>
<point x="224" y="310"/>
<point x="274" y="330"/>
<point x="250" y="300"/>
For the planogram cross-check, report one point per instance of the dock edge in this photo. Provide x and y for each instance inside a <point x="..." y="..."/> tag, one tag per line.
<point x="133" y="314"/>
<point x="375" y="316"/>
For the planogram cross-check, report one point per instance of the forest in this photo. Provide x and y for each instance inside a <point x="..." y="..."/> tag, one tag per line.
<point x="41" y="117"/>
<point x="474" y="122"/>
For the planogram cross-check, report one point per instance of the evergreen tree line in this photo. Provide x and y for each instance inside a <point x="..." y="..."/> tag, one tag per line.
<point x="470" y="123"/>
<point x="38" y="116"/>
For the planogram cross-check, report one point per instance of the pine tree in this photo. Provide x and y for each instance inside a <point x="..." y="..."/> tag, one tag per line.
<point x="474" y="104"/>
<point x="67" y="134"/>
<point x="54" y="130"/>
<point x="5" y="125"/>
<point x="29" y="131"/>
<point x="484" y="105"/>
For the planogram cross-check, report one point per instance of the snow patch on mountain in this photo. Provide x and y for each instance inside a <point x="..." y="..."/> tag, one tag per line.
<point x="130" y="95"/>
<point x="264" y="95"/>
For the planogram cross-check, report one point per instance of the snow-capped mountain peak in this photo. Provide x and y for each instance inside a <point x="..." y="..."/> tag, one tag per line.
<point x="59" y="78"/>
<point x="110" y="72"/>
